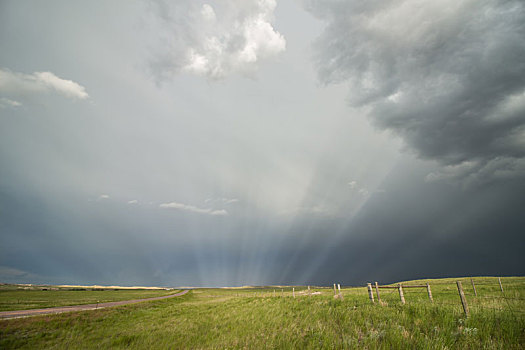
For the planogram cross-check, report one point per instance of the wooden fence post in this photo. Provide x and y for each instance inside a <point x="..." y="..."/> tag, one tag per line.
<point x="370" y="293"/>
<point x="473" y="286"/>
<point x="500" y="286"/>
<point x="377" y="292"/>
<point x="401" y="295"/>
<point x="293" y="292"/>
<point x="429" y="293"/>
<point x="462" y="296"/>
<point x="339" y="288"/>
<point x="335" y="291"/>
<point x="309" y="293"/>
<point x="274" y="293"/>
<point x="282" y="292"/>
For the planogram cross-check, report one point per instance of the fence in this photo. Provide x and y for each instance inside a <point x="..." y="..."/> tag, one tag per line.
<point x="466" y="292"/>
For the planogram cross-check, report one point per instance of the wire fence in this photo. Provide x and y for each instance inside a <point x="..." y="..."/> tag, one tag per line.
<point x="461" y="295"/>
<point x="466" y="294"/>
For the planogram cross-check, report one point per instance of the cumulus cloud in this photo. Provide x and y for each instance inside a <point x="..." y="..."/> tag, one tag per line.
<point x="214" y="41"/>
<point x="448" y="76"/>
<point x="6" y="102"/>
<point x="194" y="209"/>
<point x="14" y="83"/>
<point x="65" y="87"/>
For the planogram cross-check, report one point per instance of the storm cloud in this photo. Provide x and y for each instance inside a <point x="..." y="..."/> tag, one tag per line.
<point x="448" y="77"/>
<point x="192" y="143"/>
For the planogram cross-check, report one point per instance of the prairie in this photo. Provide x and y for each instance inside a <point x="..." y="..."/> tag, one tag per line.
<point x="16" y="298"/>
<point x="256" y="318"/>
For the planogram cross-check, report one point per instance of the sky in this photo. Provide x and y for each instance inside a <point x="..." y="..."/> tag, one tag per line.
<point x="261" y="142"/>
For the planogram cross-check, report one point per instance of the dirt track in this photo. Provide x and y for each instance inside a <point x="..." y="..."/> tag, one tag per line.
<point x="58" y="310"/>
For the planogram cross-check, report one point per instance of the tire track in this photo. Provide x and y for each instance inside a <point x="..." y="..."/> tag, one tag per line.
<point x="85" y="307"/>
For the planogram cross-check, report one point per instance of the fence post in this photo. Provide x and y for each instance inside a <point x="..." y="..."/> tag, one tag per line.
<point x="462" y="296"/>
<point x="335" y="291"/>
<point x="370" y="293"/>
<point x="282" y="292"/>
<point x="309" y="293"/>
<point x="339" y="288"/>
<point x="377" y="292"/>
<point x="293" y="292"/>
<point x="500" y="286"/>
<point x="401" y="295"/>
<point x="429" y="293"/>
<point x="274" y="293"/>
<point x="473" y="286"/>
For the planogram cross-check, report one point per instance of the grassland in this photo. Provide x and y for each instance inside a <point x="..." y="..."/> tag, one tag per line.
<point x="256" y="319"/>
<point x="15" y="298"/>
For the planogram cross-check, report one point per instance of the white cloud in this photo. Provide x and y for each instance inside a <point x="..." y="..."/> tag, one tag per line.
<point x="208" y="13"/>
<point x="221" y="201"/>
<point x="15" y="83"/>
<point x="215" y="42"/>
<point x="363" y="191"/>
<point x="6" y="102"/>
<point x="194" y="209"/>
<point x="134" y="201"/>
<point x="317" y="209"/>
<point x="230" y="201"/>
<point x="103" y="196"/>
<point x="65" y="87"/>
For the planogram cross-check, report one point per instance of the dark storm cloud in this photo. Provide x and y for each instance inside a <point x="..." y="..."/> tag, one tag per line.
<point x="448" y="77"/>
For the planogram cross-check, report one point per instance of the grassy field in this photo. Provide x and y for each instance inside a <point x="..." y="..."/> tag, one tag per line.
<point x="13" y="298"/>
<point x="256" y="319"/>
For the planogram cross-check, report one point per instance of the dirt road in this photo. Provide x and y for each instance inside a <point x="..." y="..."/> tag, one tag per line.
<point x="57" y="310"/>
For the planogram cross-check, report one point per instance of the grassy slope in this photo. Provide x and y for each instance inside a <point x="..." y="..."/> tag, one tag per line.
<point x="13" y="299"/>
<point x="212" y="318"/>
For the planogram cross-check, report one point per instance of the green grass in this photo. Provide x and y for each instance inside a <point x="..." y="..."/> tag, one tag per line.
<point x="19" y="299"/>
<point x="255" y="319"/>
